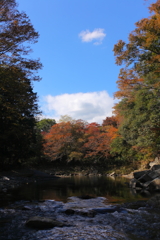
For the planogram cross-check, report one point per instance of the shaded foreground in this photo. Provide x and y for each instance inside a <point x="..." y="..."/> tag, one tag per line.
<point x="81" y="219"/>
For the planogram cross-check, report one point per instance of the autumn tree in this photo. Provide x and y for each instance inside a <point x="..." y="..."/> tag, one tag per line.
<point x="98" y="141"/>
<point x="64" y="141"/>
<point x="80" y="141"/>
<point x="139" y="87"/>
<point x="16" y="32"/>
<point x="18" y="102"/>
<point x="142" y="52"/>
<point x="110" y="121"/>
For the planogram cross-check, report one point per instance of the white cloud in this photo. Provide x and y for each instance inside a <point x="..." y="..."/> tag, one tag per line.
<point x="97" y="35"/>
<point x="91" y="107"/>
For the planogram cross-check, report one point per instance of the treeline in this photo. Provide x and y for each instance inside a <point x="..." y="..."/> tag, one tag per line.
<point x="129" y="137"/>
<point x="77" y="140"/>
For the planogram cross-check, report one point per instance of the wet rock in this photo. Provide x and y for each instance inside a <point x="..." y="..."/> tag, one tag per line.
<point x="26" y="208"/>
<point x="135" y="205"/>
<point x="123" y="222"/>
<point x="109" y="210"/>
<point x="147" y="180"/>
<point x="154" y="185"/>
<point x="86" y="197"/>
<point x="133" y="183"/>
<point x="139" y="174"/>
<point x="89" y="213"/>
<point x="154" y="201"/>
<point x="69" y="211"/>
<point x="156" y="168"/>
<point x="112" y="174"/>
<point x="5" y="178"/>
<point x="43" y="223"/>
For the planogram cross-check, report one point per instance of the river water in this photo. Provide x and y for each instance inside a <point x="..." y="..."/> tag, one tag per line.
<point x="115" y="190"/>
<point x="87" y="207"/>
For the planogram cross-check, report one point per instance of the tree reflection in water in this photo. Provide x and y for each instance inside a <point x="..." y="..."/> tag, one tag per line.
<point x="114" y="190"/>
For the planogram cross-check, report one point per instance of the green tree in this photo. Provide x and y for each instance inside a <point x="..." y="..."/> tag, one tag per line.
<point x="45" y="124"/>
<point x="18" y="102"/>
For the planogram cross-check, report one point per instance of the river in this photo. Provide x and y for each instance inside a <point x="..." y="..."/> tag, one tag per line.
<point x="84" y="208"/>
<point x="115" y="190"/>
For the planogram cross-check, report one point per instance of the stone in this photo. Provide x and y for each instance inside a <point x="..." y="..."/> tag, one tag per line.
<point x="129" y="176"/>
<point x="43" y="223"/>
<point x="69" y="211"/>
<point x="155" y="162"/>
<point x="148" y="179"/>
<point x="153" y="174"/>
<point x="109" y="210"/>
<point x="86" y="197"/>
<point x="154" y="201"/>
<point x="5" y="178"/>
<point x="155" y="184"/>
<point x="135" y="184"/>
<point x="139" y="174"/>
<point x="145" y="178"/>
<point x="112" y="174"/>
<point x="155" y="168"/>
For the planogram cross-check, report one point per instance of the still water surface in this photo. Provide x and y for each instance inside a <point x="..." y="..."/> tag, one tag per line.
<point x="59" y="189"/>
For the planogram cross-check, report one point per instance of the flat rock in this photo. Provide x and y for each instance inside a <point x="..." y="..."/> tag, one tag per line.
<point x="43" y="223"/>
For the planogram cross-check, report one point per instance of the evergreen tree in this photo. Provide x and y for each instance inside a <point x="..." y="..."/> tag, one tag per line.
<point x="18" y="102"/>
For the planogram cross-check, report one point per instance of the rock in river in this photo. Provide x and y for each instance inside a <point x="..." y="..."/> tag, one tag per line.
<point x="43" y="223"/>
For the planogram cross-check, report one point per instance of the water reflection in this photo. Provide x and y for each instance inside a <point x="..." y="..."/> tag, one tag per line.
<point x="114" y="190"/>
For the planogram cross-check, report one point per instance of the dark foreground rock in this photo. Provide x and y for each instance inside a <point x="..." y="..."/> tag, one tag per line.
<point x="73" y="220"/>
<point x="43" y="223"/>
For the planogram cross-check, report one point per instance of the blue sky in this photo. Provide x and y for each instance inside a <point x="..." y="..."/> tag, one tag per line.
<point x="76" y="49"/>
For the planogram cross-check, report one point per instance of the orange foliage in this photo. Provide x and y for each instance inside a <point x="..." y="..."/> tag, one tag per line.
<point x="127" y="81"/>
<point x="76" y="140"/>
<point x="64" y="139"/>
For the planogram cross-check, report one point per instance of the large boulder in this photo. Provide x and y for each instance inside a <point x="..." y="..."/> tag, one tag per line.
<point x="139" y="174"/>
<point x="156" y="168"/>
<point x="148" y="179"/>
<point x="154" y="185"/>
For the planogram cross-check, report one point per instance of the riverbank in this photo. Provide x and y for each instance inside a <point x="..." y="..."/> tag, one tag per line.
<point x="15" y="178"/>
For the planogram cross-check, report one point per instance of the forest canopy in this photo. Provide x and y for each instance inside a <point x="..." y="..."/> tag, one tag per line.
<point x="131" y="134"/>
